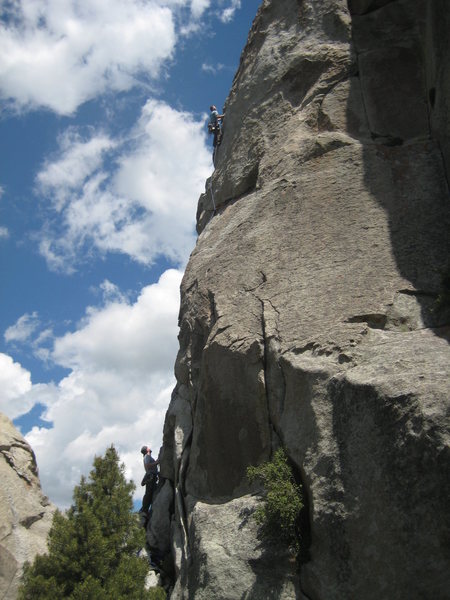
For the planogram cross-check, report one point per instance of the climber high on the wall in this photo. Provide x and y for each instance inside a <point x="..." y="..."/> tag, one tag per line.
<point x="215" y="127"/>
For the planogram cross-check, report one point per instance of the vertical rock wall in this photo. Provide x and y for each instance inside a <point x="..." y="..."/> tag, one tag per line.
<point x="25" y="513"/>
<point x="310" y="313"/>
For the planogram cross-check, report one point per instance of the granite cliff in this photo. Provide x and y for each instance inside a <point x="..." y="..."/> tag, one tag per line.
<point x="25" y="513"/>
<point x="312" y="314"/>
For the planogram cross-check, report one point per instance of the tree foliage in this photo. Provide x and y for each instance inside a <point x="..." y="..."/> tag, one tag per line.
<point x="279" y="512"/>
<point x="93" y="548"/>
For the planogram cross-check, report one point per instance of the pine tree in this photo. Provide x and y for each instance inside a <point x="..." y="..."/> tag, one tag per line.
<point x="93" y="548"/>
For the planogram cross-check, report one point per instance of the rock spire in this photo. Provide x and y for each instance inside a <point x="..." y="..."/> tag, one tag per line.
<point x="312" y="315"/>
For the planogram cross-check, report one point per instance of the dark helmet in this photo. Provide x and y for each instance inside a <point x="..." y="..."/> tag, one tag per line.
<point x="144" y="450"/>
<point x="212" y="107"/>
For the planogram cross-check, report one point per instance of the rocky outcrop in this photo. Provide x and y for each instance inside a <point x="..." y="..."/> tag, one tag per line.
<point x="310" y="313"/>
<point x="25" y="513"/>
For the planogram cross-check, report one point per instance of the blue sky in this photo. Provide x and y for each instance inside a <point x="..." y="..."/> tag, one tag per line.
<point x="104" y="152"/>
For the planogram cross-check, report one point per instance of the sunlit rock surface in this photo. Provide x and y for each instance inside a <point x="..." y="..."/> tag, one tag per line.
<point x="25" y="513"/>
<point x="311" y="313"/>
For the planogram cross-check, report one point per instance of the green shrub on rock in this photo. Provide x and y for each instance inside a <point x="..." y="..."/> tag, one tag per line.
<point x="279" y="512"/>
<point x="157" y="593"/>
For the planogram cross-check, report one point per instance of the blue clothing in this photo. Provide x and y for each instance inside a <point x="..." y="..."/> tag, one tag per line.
<point x="213" y="118"/>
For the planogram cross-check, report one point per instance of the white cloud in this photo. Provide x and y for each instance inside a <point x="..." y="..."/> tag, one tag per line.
<point x="228" y="13"/>
<point x="41" y="352"/>
<point x="120" y="336"/>
<point x="142" y="205"/>
<point x="26" y="331"/>
<point x="78" y="160"/>
<point x="23" y="328"/>
<point x="59" y="53"/>
<point x="213" y="69"/>
<point x="111" y="292"/>
<point x="15" y="383"/>
<point x="121" y="361"/>
<point x="198" y="7"/>
<point x="135" y="196"/>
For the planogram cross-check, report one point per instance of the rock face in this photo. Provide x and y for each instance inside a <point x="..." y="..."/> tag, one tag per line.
<point x="311" y="313"/>
<point x="25" y="513"/>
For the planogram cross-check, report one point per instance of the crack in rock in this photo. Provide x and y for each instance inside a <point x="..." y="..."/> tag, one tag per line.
<point x="28" y="521"/>
<point x="10" y="460"/>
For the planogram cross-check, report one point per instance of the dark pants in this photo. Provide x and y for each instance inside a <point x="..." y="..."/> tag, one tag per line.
<point x="217" y="136"/>
<point x="150" y="487"/>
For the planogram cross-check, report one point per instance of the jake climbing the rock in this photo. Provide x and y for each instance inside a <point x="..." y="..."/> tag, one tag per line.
<point x="215" y="125"/>
<point x="150" y="479"/>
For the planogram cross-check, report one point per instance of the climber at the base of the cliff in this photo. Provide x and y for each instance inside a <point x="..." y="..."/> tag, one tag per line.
<point x="150" y="479"/>
<point x="215" y="125"/>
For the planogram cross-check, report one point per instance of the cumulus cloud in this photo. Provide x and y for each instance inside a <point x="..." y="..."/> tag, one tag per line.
<point x="213" y="69"/>
<point x="140" y="203"/>
<point x="104" y="194"/>
<point x="121" y="360"/>
<point x="23" y="328"/>
<point x="228" y="13"/>
<point x="121" y="337"/>
<point x="78" y="159"/>
<point x="111" y="292"/>
<point x="15" y="385"/>
<point x="198" y="7"/>
<point x="59" y="53"/>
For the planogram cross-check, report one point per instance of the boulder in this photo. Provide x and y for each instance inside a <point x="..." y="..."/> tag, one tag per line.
<point x="25" y="513"/>
<point x="229" y="560"/>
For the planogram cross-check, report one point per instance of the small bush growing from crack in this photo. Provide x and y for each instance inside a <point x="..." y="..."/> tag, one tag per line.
<point x="279" y="512"/>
